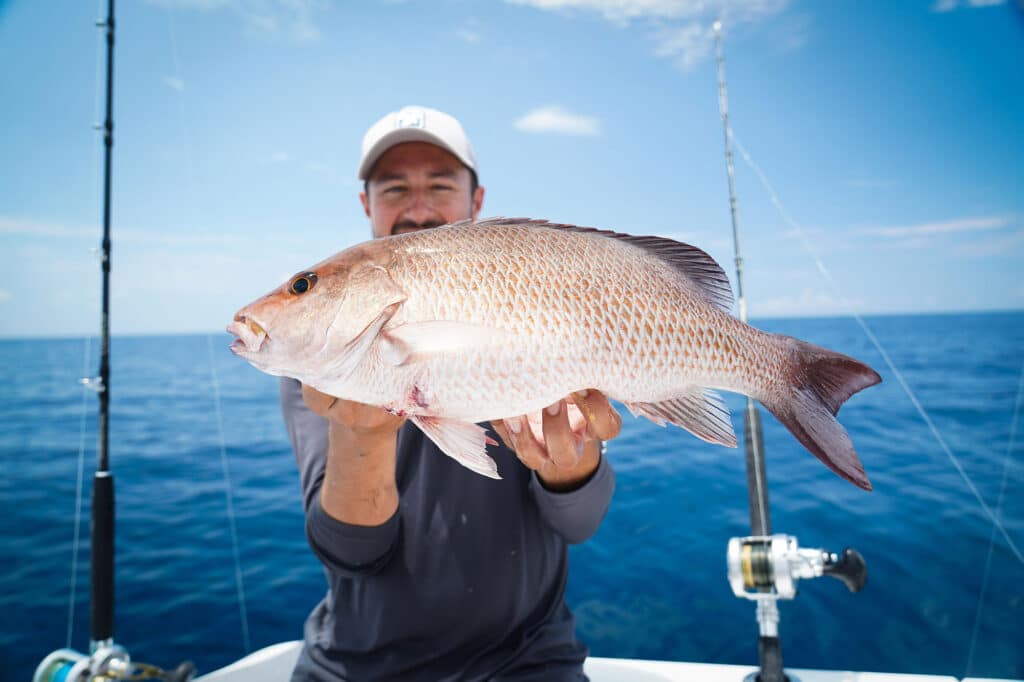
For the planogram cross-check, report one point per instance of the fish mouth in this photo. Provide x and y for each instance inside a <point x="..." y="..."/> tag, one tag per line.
<point x="251" y="336"/>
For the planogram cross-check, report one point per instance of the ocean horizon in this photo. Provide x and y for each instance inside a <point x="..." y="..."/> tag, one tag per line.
<point x="61" y="336"/>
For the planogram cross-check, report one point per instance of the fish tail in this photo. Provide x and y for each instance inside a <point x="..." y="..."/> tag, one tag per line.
<point x="816" y="382"/>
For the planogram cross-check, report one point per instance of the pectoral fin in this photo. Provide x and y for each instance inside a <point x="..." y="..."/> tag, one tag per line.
<point x="346" y="361"/>
<point x="699" y="410"/>
<point x="414" y="341"/>
<point x="464" y="442"/>
<point x="369" y="302"/>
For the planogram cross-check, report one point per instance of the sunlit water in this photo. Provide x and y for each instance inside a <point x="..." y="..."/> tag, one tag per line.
<point x="650" y="584"/>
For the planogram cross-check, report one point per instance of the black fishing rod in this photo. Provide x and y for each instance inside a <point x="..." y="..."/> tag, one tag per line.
<point x="769" y="646"/>
<point x="106" y="661"/>
<point x="765" y="567"/>
<point x="102" y="598"/>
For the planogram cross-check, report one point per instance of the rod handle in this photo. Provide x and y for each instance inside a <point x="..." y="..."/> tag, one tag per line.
<point x="102" y="559"/>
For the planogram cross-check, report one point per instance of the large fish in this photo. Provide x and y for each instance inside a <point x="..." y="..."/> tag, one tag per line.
<point x="477" y="321"/>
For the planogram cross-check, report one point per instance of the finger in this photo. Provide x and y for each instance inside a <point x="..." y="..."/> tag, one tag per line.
<point x="577" y="422"/>
<point x="603" y="421"/>
<point x="499" y="428"/>
<point x="535" y="420"/>
<point x="558" y="436"/>
<point x="528" y="450"/>
<point x="315" y="400"/>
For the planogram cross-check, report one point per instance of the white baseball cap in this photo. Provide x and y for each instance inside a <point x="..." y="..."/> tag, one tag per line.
<point x="415" y="124"/>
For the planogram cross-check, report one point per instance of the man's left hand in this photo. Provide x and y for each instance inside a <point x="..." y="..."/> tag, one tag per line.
<point x="562" y="443"/>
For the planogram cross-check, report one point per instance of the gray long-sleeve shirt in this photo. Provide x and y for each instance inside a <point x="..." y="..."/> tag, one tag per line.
<point x="465" y="582"/>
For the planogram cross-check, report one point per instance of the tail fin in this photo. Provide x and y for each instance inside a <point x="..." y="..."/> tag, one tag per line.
<point x="815" y="384"/>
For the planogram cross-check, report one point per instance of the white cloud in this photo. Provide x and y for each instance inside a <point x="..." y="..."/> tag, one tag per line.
<point x="31" y="228"/>
<point x="292" y="18"/>
<point x="555" y="119"/>
<point x="174" y="83"/>
<point x="688" y="44"/>
<point x="5" y="295"/>
<point x="950" y="5"/>
<point x="621" y="10"/>
<point x="468" y="35"/>
<point x="1002" y="244"/>
<point x="627" y="10"/>
<point x="811" y="301"/>
<point x="470" y="32"/>
<point x="279" y="157"/>
<point x="46" y="230"/>
<point x="941" y="227"/>
<point x="680" y="29"/>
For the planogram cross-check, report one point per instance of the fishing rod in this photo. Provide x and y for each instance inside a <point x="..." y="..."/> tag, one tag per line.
<point x="102" y="597"/>
<point x="106" y="660"/>
<point x="764" y="567"/>
<point x="757" y="485"/>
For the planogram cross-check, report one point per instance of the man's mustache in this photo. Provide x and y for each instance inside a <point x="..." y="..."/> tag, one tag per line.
<point x="413" y="225"/>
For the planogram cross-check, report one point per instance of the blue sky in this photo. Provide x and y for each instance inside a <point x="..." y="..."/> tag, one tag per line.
<point x="890" y="132"/>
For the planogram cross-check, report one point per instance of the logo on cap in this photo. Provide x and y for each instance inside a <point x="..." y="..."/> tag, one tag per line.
<point x="411" y="118"/>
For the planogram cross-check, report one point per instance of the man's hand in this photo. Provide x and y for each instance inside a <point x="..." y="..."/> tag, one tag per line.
<point x="562" y="443"/>
<point x="360" y="418"/>
<point x="359" y="476"/>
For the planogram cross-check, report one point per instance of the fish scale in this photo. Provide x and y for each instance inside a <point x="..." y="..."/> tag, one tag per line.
<point x="563" y="304"/>
<point x="578" y="339"/>
<point x="479" y="321"/>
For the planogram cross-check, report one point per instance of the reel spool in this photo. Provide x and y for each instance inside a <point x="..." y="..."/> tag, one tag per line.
<point x="106" y="664"/>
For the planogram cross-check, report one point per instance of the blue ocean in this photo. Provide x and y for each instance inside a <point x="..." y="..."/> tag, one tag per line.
<point x="196" y="432"/>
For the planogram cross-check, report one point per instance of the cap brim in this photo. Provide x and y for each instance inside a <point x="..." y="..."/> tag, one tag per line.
<point x="400" y="136"/>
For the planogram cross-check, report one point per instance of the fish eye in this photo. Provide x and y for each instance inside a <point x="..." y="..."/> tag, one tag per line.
<point x="302" y="283"/>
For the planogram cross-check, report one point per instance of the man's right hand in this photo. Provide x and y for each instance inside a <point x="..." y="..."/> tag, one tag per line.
<point x="359" y="475"/>
<point x="359" y="417"/>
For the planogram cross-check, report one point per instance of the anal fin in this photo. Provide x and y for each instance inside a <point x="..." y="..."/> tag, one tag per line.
<point x="464" y="442"/>
<point x="701" y="411"/>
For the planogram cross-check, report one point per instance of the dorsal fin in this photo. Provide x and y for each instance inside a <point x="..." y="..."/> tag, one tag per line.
<point x="697" y="265"/>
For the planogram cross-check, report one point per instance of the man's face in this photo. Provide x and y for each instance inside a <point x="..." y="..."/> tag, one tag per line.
<point x="416" y="185"/>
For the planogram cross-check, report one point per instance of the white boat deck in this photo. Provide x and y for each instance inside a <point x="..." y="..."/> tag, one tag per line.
<point x="275" y="662"/>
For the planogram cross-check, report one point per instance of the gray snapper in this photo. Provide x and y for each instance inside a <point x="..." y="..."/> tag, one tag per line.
<point x="477" y="321"/>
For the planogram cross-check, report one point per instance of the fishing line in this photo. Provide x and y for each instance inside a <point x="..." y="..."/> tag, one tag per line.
<point x="78" y="494"/>
<point x="228" y="492"/>
<point x="878" y="346"/>
<point x="999" y="511"/>
<point x="228" y="496"/>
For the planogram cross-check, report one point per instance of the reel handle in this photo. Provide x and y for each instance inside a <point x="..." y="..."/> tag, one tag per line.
<point x="850" y="568"/>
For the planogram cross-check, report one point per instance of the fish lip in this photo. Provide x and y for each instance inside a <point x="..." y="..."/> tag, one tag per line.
<point x="252" y="337"/>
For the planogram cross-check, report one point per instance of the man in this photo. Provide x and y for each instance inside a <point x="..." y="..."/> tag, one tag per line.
<point x="435" y="572"/>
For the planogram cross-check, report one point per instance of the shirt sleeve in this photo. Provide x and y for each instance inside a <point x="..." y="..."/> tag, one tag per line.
<point x="341" y="547"/>
<point x="576" y="515"/>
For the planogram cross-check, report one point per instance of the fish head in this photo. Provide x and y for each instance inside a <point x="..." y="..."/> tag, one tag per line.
<point x="311" y="326"/>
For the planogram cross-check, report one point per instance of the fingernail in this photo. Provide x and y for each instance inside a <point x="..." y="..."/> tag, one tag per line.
<point x="584" y="407"/>
<point x="554" y="408"/>
<point x="514" y="425"/>
<point x="582" y="393"/>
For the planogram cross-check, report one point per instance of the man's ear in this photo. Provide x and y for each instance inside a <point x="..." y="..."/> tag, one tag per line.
<point x="478" y="200"/>
<point x="365" y="201"/>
